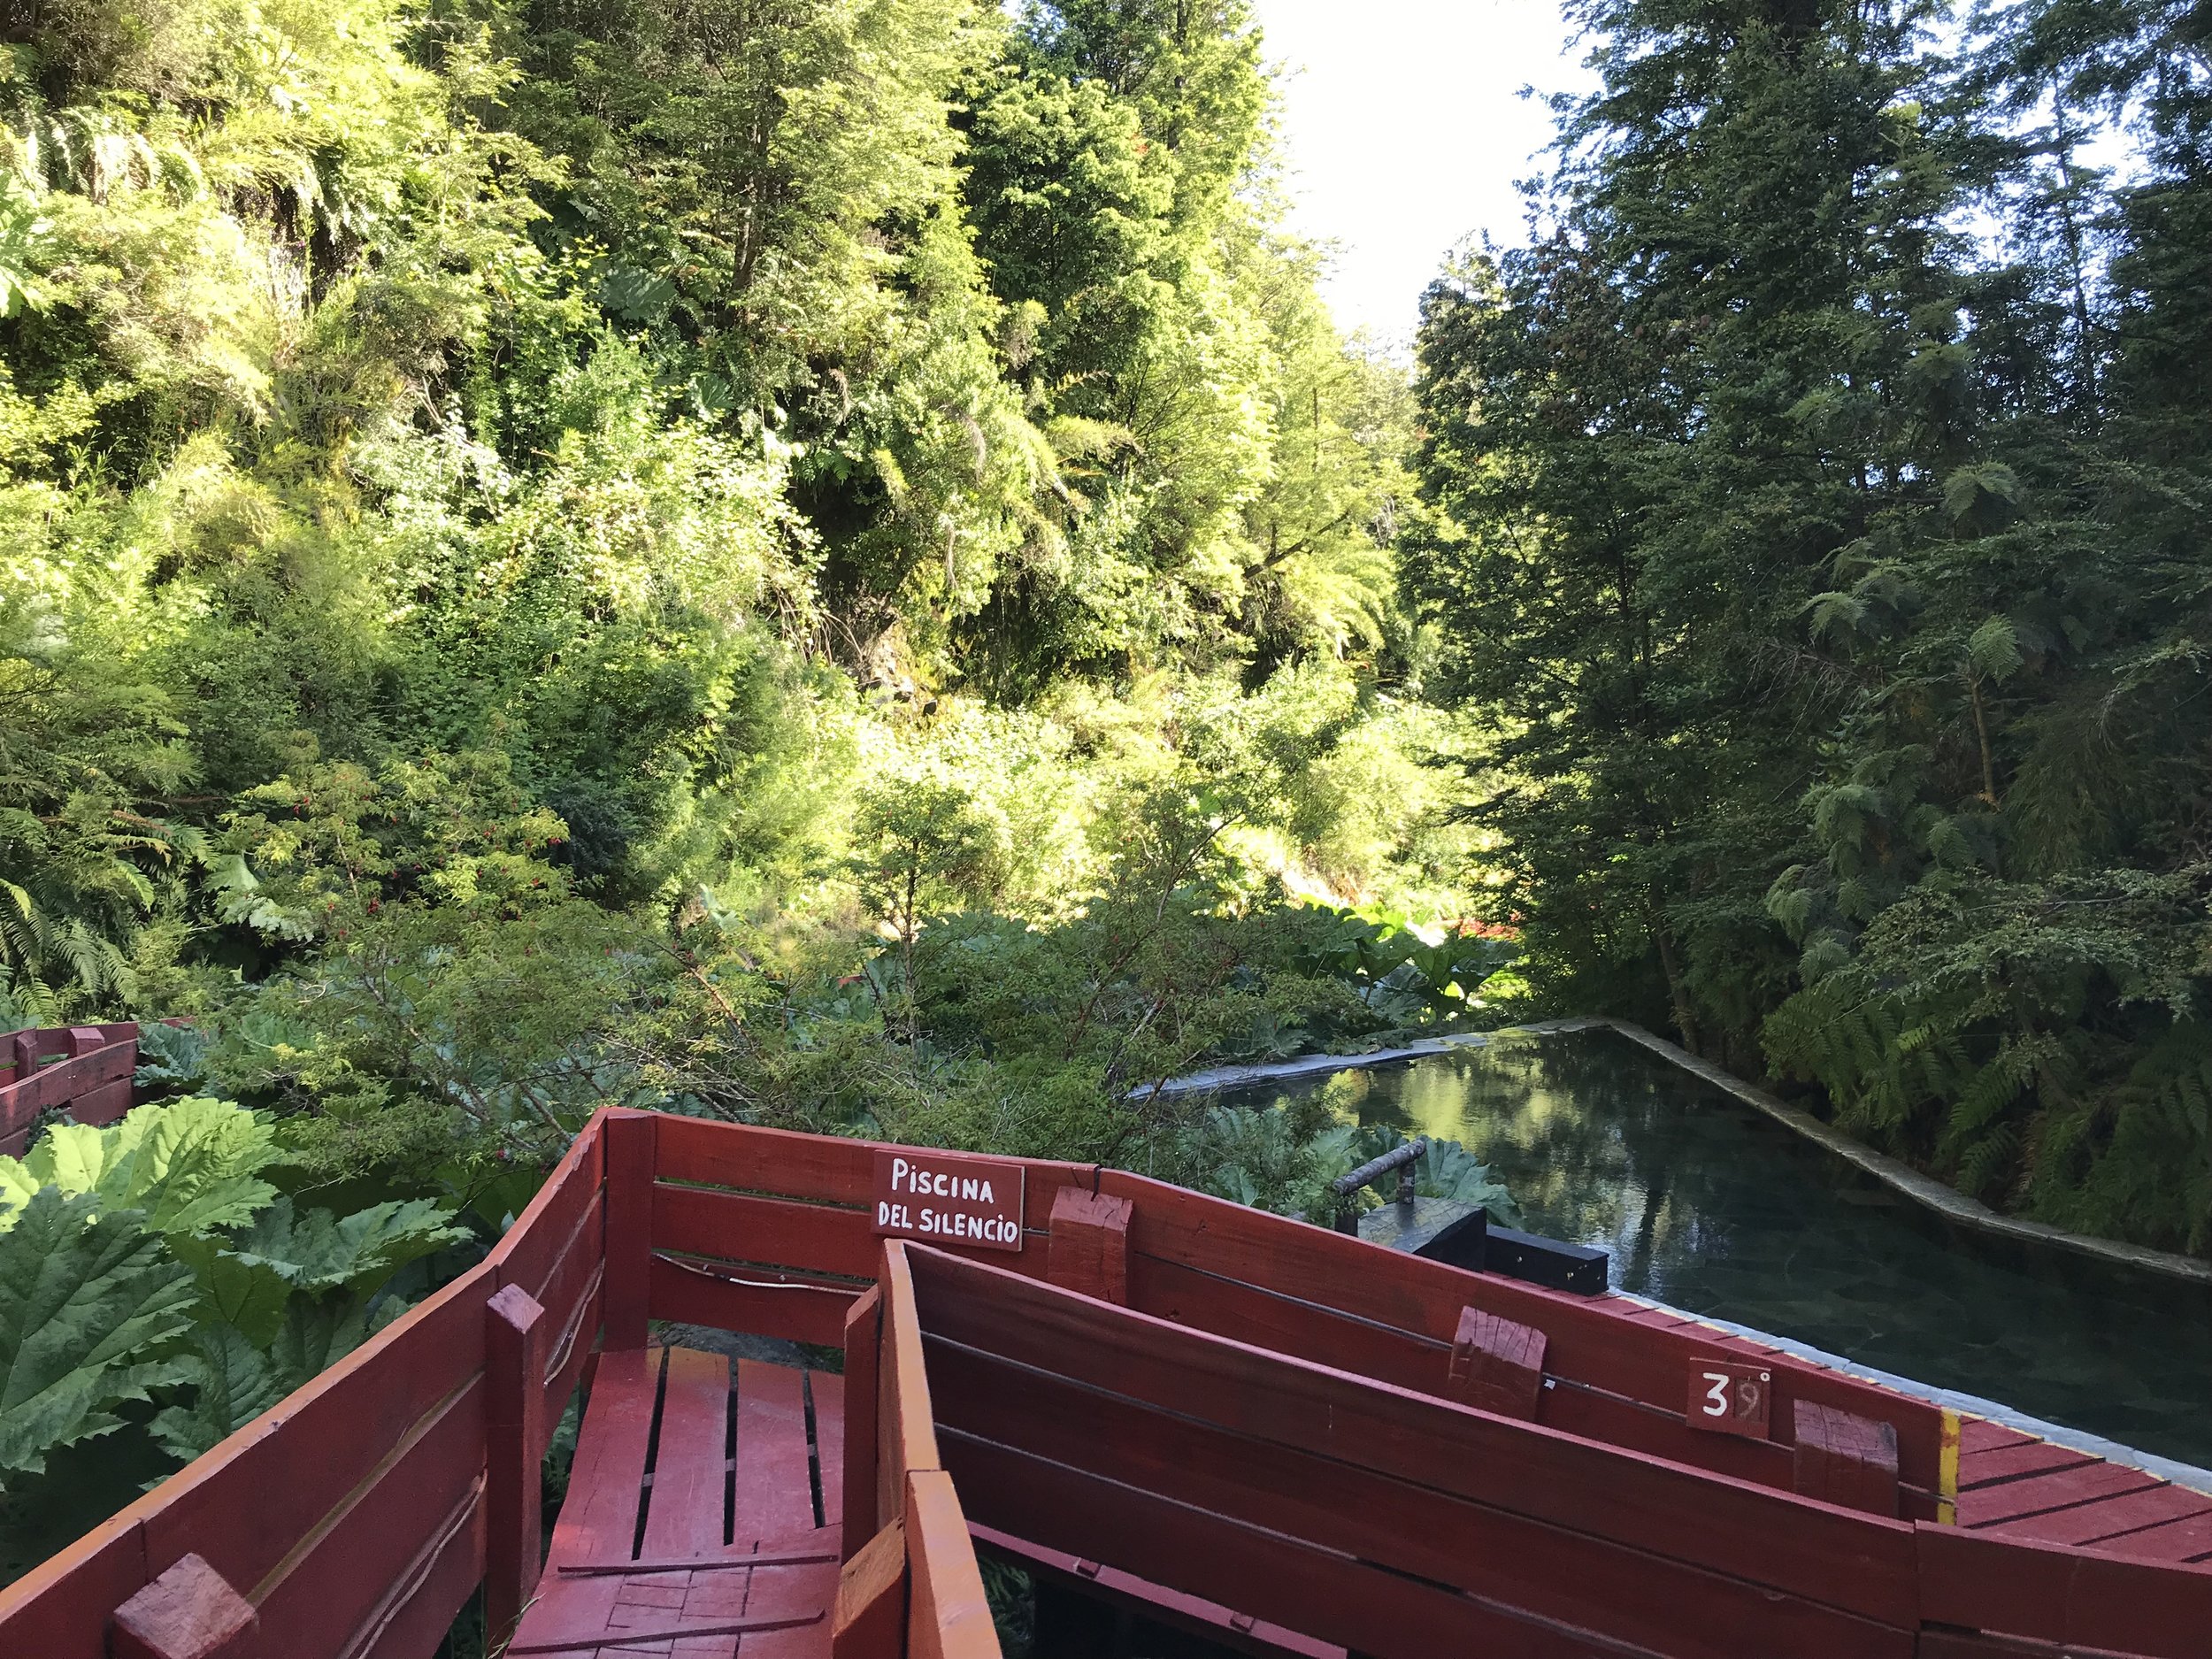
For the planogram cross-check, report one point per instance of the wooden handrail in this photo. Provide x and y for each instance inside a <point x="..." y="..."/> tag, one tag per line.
<point x="351" y="1517"/>
<point x="84" y="1070"/>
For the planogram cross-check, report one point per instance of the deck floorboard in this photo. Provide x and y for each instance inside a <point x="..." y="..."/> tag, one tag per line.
<point x="618" y="1591"/>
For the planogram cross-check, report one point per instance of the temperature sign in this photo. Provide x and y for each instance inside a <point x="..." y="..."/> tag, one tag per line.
<point x="1730" y="1399"/>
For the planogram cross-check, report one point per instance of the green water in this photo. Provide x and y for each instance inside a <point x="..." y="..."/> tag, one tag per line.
<point x="1710" y="1205"/>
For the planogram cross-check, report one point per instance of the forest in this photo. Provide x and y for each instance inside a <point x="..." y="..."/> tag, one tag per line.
<point x="824" y="562"/>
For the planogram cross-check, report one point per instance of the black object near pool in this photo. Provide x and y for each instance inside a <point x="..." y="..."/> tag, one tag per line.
<point x="1708" y="1205"/>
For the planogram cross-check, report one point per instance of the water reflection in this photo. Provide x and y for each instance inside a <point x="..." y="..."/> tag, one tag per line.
<point x="1708" y="1204"/>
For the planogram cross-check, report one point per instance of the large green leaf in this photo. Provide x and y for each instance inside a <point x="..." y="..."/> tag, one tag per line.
<point x="318" y="1251"/>
<point x="234" y="1383"/>
<point x="90" y="1310"/>
<point x="250" y="1279"/>
<point x="190" y="1165"/>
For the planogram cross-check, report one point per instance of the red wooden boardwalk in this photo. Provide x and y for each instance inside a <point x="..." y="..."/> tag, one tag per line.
<point x="1219" y="1413"/>
<point x="2013" y="1486"/>
<point x="702" y="1521"/>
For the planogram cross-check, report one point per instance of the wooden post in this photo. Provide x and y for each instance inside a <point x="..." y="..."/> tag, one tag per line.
<point x="631" y="1157"/>
<point x="1844" y="1459"/>
<point x="864" y="1338"/>
<point x="189" y="1612"/>
<point x="1498" y="1365"/>
<point x="1089" y="1244"/>
<point x="870" y="1618"/>
<point x="516" y="1335"/>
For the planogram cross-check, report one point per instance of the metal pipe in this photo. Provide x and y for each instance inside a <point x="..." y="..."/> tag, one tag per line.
<point x="1400" y="1158"/>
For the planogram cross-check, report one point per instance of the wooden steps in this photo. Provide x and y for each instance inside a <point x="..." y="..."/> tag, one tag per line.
<point x="702" y="1521"/>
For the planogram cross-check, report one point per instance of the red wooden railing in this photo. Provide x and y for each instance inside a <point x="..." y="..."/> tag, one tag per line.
<point x="1237" y="1406"/>
<point x="86" y="1069"/>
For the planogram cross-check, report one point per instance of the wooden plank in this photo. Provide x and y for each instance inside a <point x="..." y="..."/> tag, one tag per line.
<point x="906" y="1439"/>
<point x="1992" y="1506"/>
<point x="1959" y="1643"/>
<point x="869" y="1621"/>
<point x="767" y="1161"/>
<point x="1979" y="1581"/>
<point x="1589" y="1340"/>
<point x="1860" y="1563"/>
<point x="729" y="1227"/>
<point x="2189" y="1540"/>
<point x="774" y="1484"/>
<point x="531" y="1250"/>
<point x="336" y="1577"/>
<point x="577" y="1268"/>
<point x="2134" y="1607"/>
<point x="1594" y="1415"/>
<point x="691" y="1463"/>
<point x="417" y="1612"/>
<point x="573" y="1354"/>
<point x="2048" y="1592"/>
<point x="104" y="1104"/>
<point x="947" y="1615"/>
<point x="627" y="1286"/>
<point x="766" y="1304"/>
<point x="2015" y="1461"/>
<point x="516" y="1338"/>
<point x="1979" y="1434"/>
<point x="598" y="1521"/>
<point x="826" y="1390"/>
<point x="1289" y="1324"/>
<point x="864" y="1338"/>
<point x="1222" y="1626"/>
<point x="1558" y="1573"/>
<point x="1265" y="1574"/>
<point x="59" y="1610"/>
<point x="246" y="1504"/>
<point x="2130" y="1512"/>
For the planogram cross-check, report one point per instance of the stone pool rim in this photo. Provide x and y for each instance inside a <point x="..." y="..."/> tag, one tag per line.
<point x="1902" y="1178"/>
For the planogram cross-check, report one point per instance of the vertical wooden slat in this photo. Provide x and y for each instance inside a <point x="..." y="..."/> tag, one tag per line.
<point x="906" y="1437"/>
<point x="863" y="1339"/>
<point x="947" y="1615"/>
<point x="515" y="1337"/>
<point x="630" y="1155"/>
<point x="870" y="1618"/>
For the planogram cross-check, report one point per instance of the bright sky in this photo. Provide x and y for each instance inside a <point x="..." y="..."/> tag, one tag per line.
<point x="1407" y="131"/>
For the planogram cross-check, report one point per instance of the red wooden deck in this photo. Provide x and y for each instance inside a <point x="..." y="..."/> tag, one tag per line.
<point x="1259" y="1428"/>
<point x="703" y="1520"/>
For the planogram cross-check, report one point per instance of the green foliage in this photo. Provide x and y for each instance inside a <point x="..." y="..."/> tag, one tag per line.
<point x="1258" y="1158"/>
<point x="187" y="1167"/>
<point x="91" y="1308"/>
<point x="147" y="1264"/>
<point x="1831" y="577"/>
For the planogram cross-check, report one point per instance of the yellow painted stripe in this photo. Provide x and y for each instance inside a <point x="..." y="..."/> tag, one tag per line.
<point x="1947" y="1479"/>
